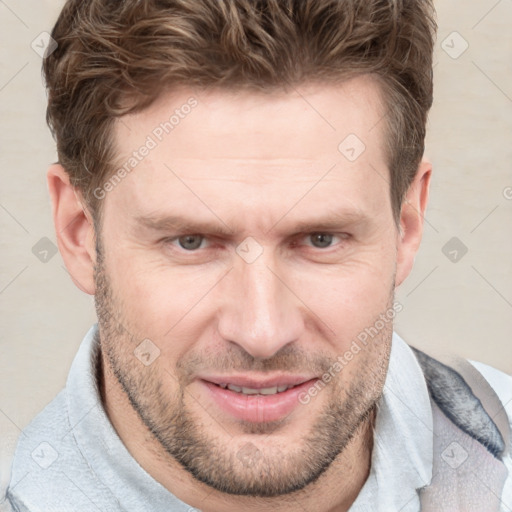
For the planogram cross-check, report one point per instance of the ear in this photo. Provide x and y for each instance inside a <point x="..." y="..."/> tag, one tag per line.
<point x="74" y="229"/>
<point x="411" y="221"/>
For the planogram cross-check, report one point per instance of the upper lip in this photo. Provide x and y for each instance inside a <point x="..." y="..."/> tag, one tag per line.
<point x="244" y="381"/>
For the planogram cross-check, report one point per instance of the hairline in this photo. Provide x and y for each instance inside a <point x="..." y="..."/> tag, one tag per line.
<point x="383" y="97"/>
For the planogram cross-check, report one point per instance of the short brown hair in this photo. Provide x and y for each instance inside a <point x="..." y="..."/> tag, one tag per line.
<point x="117" y="57"/>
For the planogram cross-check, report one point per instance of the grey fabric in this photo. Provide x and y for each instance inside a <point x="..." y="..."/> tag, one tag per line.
<point x="70" y="459"/>
<point x="467" y="477"/>
<point x="456" y="400"/>
<point x="469" y="474"/>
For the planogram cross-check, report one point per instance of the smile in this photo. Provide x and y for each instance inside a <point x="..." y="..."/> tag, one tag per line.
<point x="248" y="400"/>
<point x="253" y="391"/>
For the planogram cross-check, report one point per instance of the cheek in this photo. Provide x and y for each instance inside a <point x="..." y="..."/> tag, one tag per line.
<point x="157" y="299"/>
<point x="350" y="298"/>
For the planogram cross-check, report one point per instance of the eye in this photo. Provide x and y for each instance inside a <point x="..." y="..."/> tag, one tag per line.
<point x="190" y="242"/>
<point x="321" y="240"/>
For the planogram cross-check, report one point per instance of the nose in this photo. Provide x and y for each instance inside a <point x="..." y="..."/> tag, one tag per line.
<point x="261" y="313"/>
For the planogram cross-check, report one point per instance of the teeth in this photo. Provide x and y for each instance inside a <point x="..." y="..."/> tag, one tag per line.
<point x="249" y="391"/>
<point x="269" y="391"/>
<point x="252" y="391"/>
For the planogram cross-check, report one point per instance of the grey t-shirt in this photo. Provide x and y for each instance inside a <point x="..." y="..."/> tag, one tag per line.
<point x="70" y="458"/>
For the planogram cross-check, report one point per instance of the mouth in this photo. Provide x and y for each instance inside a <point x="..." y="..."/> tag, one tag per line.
<point x="257" y="401"/>
<point x="253" y="391"/>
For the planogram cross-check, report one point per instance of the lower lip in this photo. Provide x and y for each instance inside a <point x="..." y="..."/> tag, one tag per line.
<point x="257" y="408"/>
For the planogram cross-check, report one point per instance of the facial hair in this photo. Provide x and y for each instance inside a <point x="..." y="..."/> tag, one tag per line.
<point x="251" y="463"/>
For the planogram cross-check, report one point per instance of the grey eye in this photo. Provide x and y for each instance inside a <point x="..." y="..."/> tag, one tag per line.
<point x="190" y="242"/>
<point x="321" y="240"/>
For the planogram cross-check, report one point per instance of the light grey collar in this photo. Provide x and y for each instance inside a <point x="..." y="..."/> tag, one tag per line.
<point x="403" y="438"/>
<point x="401" y="458"/>
<point x="100" y="444"/>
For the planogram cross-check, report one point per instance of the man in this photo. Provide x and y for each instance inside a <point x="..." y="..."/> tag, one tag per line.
<point x="241" y="187"/>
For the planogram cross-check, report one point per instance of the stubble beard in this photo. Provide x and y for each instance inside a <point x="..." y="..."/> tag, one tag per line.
<point x="238" y="466"/>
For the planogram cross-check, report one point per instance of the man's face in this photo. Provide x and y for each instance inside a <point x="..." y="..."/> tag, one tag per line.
<point x="278" y="250"/>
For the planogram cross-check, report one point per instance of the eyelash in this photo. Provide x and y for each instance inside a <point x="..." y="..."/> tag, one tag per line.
<point x="340" y="236"/>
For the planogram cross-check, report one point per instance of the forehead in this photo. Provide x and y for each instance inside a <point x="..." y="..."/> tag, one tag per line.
<point x="232" y="119"/>
<point x="218" y="140"/>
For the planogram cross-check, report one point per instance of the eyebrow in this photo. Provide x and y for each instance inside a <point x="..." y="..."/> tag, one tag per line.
<point x="331" y="221"/>
<point x="181" y="224"/>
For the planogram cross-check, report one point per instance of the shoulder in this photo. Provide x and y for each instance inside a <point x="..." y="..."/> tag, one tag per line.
<point x="502" y="385"/>
<point x="41" y="441"/>
<point x="48" y="467"/>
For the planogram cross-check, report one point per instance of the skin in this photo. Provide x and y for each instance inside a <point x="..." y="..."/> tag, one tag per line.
<point x="266" y="167"/>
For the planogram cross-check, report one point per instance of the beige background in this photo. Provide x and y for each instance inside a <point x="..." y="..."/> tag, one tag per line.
<point x="463" y="306"/>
